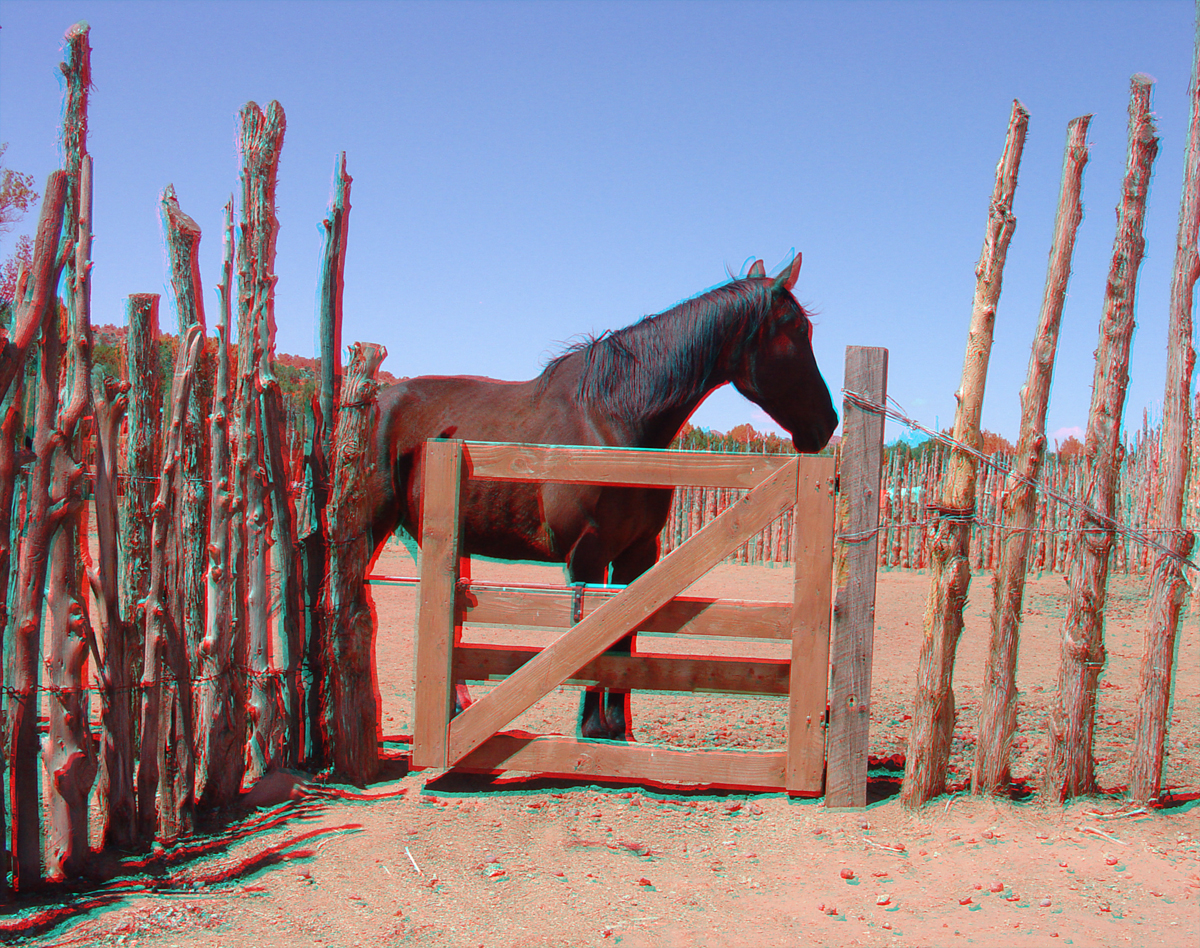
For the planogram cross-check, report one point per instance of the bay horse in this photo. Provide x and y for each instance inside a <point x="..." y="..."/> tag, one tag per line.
<point x="631" y="388"/>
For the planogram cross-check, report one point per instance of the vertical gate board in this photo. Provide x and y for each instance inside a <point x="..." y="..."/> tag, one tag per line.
<point x="615" y="618"/>
<point x="813" y="544"/>
<point x="437" y="612"/>
<point x="854" y="605"/>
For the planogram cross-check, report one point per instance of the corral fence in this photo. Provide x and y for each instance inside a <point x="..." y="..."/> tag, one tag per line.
<point x="911" y="475"/>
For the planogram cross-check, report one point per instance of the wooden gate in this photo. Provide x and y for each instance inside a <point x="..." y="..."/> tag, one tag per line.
<point x="594" y="618"/>
<point x="651" y="603"/>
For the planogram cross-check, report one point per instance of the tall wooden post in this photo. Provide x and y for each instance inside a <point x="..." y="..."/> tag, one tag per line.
<point x="350" y="690"/>
<point x="1169" y="581"/>
<point x="1072" y="715"/>
<point x="950" y="571"/>
<point x="318" y="453"/>
<point x="260" y="139"/>
<point x="166" y="722"/>
<point x="998" y="705"/>
<point x="35" y="298"/>
<point x="854" y="571"/>
<point x="220" y="714"/>
<point x="69" y="756"/>
<point x="186" y="585"/>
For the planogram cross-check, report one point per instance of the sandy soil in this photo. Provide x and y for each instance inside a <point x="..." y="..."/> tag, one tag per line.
<point x="428" y="858"/>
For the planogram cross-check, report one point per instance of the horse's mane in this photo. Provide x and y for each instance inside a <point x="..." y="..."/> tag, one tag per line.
<point x="672" y="356"/>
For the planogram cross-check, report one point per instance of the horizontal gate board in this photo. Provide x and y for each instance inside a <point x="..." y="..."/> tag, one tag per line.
<point x="510" y="606"/>
<point x="645" y="595"/>
<point x="636" y="467"/>
<point x="643" y="763"/>
<point x="637" y="672"/>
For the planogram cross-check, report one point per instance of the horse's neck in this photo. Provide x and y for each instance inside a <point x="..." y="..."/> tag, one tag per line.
<point x="658" y="428"/>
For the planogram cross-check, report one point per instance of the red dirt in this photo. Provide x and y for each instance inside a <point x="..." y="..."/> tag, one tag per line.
<point x="424" y="859"/>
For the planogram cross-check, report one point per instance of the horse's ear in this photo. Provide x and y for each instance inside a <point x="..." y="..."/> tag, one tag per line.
<point x="787" y="276"/>
<point x="757" y="270"/>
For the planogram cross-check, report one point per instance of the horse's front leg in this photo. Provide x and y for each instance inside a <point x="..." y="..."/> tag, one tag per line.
<point x="617" y="715"/>
<point x="586" y="564"/>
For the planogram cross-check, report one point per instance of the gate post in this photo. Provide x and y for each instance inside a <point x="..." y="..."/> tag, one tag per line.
<point x="854" y="567"/>
<point x="438" y="613"/>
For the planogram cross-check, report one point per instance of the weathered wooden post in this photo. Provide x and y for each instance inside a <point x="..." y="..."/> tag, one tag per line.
<point x="185" y="586"/>
<point x="857" y="537"/>
<point x="1071" y="769"/>
<point x="166" y="676"/>
<point x="349" y="690"/>
<point x="220" y="706"/>
<point x="260" y="139"/>
<point x="319" y="449"/>
<point x="1169" y="580"/>
<point x="34" y="298"/>
<point x="950" y="571"/>
<point x="998" y="704"/>
<point x="68" y="754"/>
<point x="118" y="810"/>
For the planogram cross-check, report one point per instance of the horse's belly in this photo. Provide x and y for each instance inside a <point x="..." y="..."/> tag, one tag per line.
<point x="506" y="521"/>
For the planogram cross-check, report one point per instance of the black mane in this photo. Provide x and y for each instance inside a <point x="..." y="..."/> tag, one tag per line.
<point x="669" y="357"/>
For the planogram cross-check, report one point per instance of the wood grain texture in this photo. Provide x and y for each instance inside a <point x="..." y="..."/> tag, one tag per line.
<point x="949" y="567"/>
<point x="512" y="606"/>
<point x="644" y="763"/>
<point x="998" y="702"/>
<point x="1071" y="767"/>
<point x="441" y="520"/>
<point x="853" y="636"/>
<point x="623" y="612"/>
<point x="628" y="466"/>
<point x="809" y="673"/>
<point x="693" y="673"/>
<point x="1170" y="586"/>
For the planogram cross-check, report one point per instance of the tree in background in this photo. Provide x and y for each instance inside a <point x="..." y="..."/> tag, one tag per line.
<point x="16" y="197"/>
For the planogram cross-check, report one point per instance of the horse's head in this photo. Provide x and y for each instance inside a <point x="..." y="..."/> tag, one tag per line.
<point x="780" y="372"/>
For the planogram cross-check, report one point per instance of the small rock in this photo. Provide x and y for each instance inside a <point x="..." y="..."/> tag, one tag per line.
<point x="847" y="873"/>
<point x="995" y="886"/>
<point x="1044" y="903"/>
<point x="965" y="900"/>
<point x="882" y="899"/>
<point x="1110" y="860"/>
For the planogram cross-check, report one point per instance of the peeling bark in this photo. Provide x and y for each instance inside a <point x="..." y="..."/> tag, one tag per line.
<point x="998" y="704"/>
<point x="1169" y="586"/>
<point x="950" y="571"/>
<point x="1071" y="768"/>
<point x="351" y="711"/>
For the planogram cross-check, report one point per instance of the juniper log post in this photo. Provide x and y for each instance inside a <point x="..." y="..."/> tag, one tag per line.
<point x="260" y="139"/>
<point x="220" y="709"/>
<point x="315" y="494"/>
<point x="1071" y="768"/>
<point x="35" y="295"/>
<point x="68" y="754"/>
<point x="186" y="584"/>
<point x="117" y="811"/>
<point x="998" y="703"/>
<point x="349" y="691"/>
<point x="950" y="570"/>
<point x="165" y="673"/>
<point x="1170" y="582"/>
<point x="41" y="520"/>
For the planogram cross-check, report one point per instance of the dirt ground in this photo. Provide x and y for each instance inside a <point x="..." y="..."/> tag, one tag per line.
<point x="433" y="858"/>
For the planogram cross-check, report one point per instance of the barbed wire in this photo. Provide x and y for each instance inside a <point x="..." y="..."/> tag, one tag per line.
<point x="1103" y="523"/>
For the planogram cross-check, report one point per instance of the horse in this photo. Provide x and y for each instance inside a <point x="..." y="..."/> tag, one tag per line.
<point x="634" y="388"/>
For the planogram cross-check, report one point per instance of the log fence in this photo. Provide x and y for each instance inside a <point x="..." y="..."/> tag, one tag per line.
<point x="227" y="597"/>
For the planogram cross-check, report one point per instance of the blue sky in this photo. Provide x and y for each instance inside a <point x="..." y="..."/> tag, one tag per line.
<point x="527" y="172"/>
